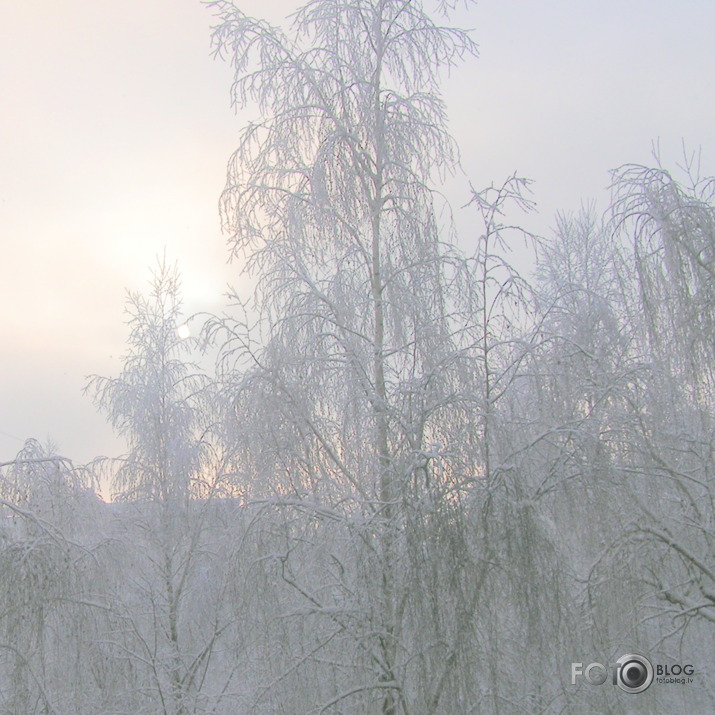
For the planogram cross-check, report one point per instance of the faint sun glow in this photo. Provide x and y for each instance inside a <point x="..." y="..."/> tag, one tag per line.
<point x="184" y="331"/>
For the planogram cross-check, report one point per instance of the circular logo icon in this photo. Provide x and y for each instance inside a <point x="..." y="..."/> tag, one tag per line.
<point x="635" y="673"/>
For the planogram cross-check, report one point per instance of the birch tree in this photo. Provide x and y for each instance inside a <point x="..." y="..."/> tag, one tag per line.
<point x="669" y="227"/>
<point x="355" y="395"/>
<point x="164" y="487"/>
<point x="51" y="608"/>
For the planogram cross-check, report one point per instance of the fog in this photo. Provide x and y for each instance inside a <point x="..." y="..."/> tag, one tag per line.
<point x="439" y="434"/>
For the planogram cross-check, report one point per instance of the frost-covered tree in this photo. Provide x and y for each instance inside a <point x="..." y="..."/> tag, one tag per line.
<point x="583" y="373"/>
<point x="620" y="441"/>
<point x="153" y="404"/>
<point x="669" y="228"/>
<point x="496" y="307"/>
<point x="329" y="199"/>
<point x="355" y="400"/>
<point x="161" y="405"/>
<point x="51" y="605"/>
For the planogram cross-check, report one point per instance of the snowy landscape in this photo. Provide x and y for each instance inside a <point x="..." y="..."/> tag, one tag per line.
<point x="421" y="460"/>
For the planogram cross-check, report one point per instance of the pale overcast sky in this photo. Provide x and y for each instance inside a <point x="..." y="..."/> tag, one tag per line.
<point x="116" y="126"/>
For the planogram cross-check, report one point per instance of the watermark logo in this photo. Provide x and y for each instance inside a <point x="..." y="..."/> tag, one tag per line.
<point x="676" y="673"/>
<point x="632" y="673"/>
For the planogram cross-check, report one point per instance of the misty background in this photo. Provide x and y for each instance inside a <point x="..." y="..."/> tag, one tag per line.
<point x="116" y="128"/>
